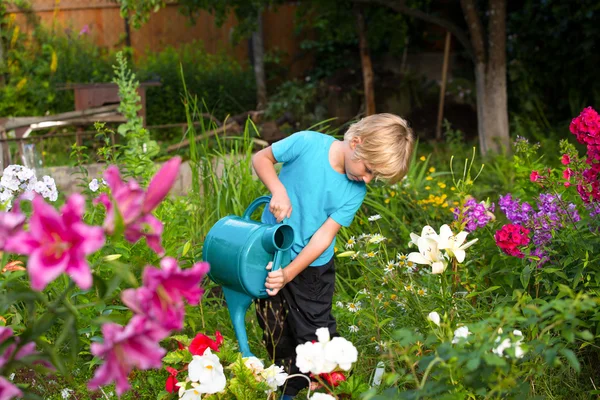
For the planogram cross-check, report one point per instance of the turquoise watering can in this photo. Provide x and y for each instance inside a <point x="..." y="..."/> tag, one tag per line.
<point x="238" y="250"/>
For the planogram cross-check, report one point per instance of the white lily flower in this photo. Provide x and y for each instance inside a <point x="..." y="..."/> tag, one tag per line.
<point x="453" y="244"/>
<point x="426" y="232"/>
<point x="429" y="254"/>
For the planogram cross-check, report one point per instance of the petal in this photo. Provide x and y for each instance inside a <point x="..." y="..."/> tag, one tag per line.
<point x="161" y="183"/>
<point x="460" y="255"/>
<point x="42" y="270"/>
<point x="21" y="243"/>
<point x="468" y="244"/>
<point x="418" y="258"/>
<point x="113" y="178"/>
<point x="93" y="237"/>
<point x="438" y="267"/>
<point x="79" y="270"/>
<point x="460" y="238"/>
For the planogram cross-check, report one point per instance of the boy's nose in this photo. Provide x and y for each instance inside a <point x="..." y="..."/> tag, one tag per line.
<point x="367" y="178"/>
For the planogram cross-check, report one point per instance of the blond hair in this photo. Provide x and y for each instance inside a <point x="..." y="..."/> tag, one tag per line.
<point x="386" y="144"/>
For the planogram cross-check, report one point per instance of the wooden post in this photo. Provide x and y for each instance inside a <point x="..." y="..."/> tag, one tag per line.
<point x="438" y="129"/>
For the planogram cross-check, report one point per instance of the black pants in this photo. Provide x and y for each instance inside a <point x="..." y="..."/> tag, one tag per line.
<point x="293" y="316"/>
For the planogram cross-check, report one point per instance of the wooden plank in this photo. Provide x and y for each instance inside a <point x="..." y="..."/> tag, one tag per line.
<point x="13" y="123"/>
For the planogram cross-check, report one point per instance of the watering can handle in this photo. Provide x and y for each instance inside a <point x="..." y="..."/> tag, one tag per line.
<point x="255" y="204"/>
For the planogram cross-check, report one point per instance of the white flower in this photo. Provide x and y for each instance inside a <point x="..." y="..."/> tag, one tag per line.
<point x="454" y="244"/>
<point x="94" y="185"/>
<point x="354" y="307"/>
<point x="274" y="376"/>
<point x="499" y="350"/>
<point x="429" y="254"/>
<point x="321" y="396"/>
<point x="374" y="217"/>
<point x="389" y="267"/>
<point x="254" y="364"/>
<point x="341" y="352"/>
<point x="363" y="291"/>
<point x="189" y="394"/>
<point x="66" y="393"/>
<point x="323" y="335"/>
<point x="460" y="333"/>
<point x="377" y="238"/>
<point x="310" y="358"/>
<point x="208" y="371"/>
<point x="434" y="317"/>
<point x="339" y="304"/>
<point x="427" y="232"/>
<point x="353" y="328"/>
<point x="351" y="242"/>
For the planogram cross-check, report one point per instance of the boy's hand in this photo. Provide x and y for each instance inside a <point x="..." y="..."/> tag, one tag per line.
<point x="276" y="280"/>
<point x="280" y="205"/>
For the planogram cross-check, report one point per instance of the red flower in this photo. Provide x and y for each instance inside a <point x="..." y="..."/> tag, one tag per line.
<point x="171" y="382"/>
<point x="535" y="176"/>
<point x="567" y="173"/>
<point x="202" y="342"/>
<point x="510" y="238"/>
<point x="565" y="160"/>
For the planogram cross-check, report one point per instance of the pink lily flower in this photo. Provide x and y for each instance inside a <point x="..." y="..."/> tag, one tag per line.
<point x="10" y="223"/>
<point x="161" y="297"/>
<point x="135" y="345"/>
<point x="8" y="391"/>
<point x="57" y="243"/>
<point x="136" y="205"/>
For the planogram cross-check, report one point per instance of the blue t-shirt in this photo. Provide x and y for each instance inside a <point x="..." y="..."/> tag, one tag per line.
<point x="315" y="189"/>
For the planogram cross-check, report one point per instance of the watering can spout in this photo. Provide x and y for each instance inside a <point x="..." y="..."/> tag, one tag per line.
<point x="277" y="238"/>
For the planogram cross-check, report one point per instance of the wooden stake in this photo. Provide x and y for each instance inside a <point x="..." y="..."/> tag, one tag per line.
<point x="438" y="129"/>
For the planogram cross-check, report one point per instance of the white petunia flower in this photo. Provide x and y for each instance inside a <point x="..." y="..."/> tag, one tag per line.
<point x="460" y="333"/>
<point x="341" y="352"/>
<point x="254" y="364"/>
<point x="434" y="317"/>
<point x="274" y="376"/>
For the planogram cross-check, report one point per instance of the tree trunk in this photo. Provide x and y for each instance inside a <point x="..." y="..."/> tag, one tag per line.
<point x="490" y="75"/>
<point x="365" y="60"/>
<point x="2" y="56"/>
<point x="259" y="64"/>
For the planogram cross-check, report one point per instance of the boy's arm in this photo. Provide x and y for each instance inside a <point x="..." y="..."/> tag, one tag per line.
<point x="315" y="247"/>
<point x="264" y="165"/>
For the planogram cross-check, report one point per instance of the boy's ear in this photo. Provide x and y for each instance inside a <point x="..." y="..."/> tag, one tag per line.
<point x="355" y="141"/>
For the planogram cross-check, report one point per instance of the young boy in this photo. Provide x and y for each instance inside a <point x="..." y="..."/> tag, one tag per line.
<point x="321" y="185"/>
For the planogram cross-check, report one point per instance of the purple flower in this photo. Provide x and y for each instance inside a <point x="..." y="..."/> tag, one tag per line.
<point x="57" y="243"/>
<point x="515" y="212"/>
<point x="135" y="345"/>
<point x="475" y="215"/>
<point x="161" y="297"/>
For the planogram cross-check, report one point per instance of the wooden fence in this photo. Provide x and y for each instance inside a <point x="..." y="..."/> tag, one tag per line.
<point x="101" y="20"/>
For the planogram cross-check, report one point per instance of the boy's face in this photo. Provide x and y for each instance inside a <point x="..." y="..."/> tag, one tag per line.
<point x="356" y="169"/>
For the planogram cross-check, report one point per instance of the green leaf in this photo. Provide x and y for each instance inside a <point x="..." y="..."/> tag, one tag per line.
<point x="182" y="339"/>
<point x="493" y="360"/>
<point x="178" y="356"/>
<point x="473" y="363"/>
<point x="571" y="358"/>
<point x="525" y="275"/>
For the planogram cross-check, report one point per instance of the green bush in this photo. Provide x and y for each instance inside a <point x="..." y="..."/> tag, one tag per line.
<point x="221" y="82"/>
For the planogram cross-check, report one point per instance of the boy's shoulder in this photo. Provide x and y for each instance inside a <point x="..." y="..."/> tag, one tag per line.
<point x="314" y="135"/>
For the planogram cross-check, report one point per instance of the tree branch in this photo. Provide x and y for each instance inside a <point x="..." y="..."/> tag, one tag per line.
<point x="401" y="7"/>
<point x="475" y="29"/>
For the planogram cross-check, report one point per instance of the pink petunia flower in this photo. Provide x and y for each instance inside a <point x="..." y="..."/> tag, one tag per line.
<point x="57" y="243"/>
<point x="565" y="159"/>
<point x="136" y="205"/>
<point x="135" y="345"/>
<point x="161" y="297"/>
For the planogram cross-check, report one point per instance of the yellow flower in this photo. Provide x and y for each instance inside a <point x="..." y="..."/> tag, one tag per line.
<point x="386" y="201"/>
<point x="335" y="249"/>
<point x="453" y="188"/>
<point x="445" y="205"/>
<point x="386" y="303"/>
<point x="393" y="297"/>
<point x="422" y="158"/>
<point x="408" y="288"/>
<point x="373" y="339"/>
<point x="429" y="178"/>
<point x="392" y="193"/>
<point x="442" y="185"/>
<point x="421" y="292"/>
<point x="427" y="187"/>
<point x="432" y="170"/>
